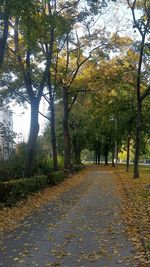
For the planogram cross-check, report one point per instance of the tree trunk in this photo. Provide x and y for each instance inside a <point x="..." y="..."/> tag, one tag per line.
<point x="98" y="156"/>
<point x="77" y="155"/>
<point x="53" y="133"/>
<point x="31" y="146"/>
<point x="95" y="157"/>
<point x="116" y="142"/>
<point x="106" y="155"/>
<point x="52" y="125"/>
<point x="113" y="157"/>
<point x="128" y="152"/>
<point x="137" y="141"/>
<point x="3" y="39"/>
<point x="67" y="143"/>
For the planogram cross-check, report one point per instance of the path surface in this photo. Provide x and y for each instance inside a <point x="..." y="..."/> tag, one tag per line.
<point x="81" y="228"/>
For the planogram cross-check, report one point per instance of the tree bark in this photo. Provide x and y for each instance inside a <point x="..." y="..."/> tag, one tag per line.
<point x="113" y="157"/>
<point x="3" y="40"/>
<point x="53" y="133"/>
<point x="77" y="154"/>
<point x="67" y="143"/>
<point x="95" y="157"/>
<point x="106" y="155"/>
<point x="52" y="125"/>
<point x="98" y="156"/>
<point x="128" y="152"/>
<point x="137" y="140"/>
<point x="34" y="129"/>
<point x="77" y="147"/>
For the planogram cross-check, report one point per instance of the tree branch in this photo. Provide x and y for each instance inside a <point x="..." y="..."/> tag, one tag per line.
<point x="22" y="97"/>
<point x="10" y="88"/>
<point x="73" y="101"/>
<point x="46" y="117"/>
<point x="79" y="66"/>
<point x="67" y="6"/>
<point x="132" y="7"/>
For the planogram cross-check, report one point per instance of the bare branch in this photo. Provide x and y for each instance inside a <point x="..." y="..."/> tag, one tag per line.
<point x="46" y="117"/>
<point x="46" y="98"/>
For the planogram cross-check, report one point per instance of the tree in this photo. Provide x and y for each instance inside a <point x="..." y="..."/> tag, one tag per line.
<point x="113" y="107"/>
<point x="4" y="24"/>
<point x="78" y="121"/>
<point x="34" y="88"/>
<point x="142" y="24"/>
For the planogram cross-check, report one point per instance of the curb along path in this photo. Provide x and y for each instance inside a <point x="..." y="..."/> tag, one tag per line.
<point x="81" y="228"/>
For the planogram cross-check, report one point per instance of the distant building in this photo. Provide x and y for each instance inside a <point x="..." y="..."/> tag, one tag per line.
<point x="6" y="128"/>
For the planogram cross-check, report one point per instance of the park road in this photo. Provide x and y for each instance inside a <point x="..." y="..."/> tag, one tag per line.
<point x="83" y="227"/>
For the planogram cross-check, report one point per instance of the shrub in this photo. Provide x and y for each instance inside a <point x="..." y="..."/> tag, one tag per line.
<point x="17" y="161"/>
<point x="60" y="162"/>
<point x="4" y="170"/>
<point x="78" y="167"/>
<point x="14" y="190"/>
<point x="66" y="172"/>
<point x="56" y="178"/>
<point x="43" y="165"/>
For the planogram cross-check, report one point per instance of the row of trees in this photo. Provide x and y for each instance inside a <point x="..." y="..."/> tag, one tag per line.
<point x="52" y="49"/>
<point x="104" y="120"/>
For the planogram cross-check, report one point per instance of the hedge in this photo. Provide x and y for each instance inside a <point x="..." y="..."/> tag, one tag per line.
<point x="76" y="168"/>
<point x="79" y="167"/>
<point x="56" y="178"/>
<point x="14" y="190"/>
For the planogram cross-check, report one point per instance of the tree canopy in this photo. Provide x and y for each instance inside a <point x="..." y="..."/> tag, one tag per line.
<point x="95" y="81"/>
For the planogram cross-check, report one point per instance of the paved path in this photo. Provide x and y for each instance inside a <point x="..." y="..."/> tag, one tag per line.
<point x="82" y="228"/>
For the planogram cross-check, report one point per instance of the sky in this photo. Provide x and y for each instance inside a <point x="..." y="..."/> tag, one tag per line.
<point x="21" y="120"/>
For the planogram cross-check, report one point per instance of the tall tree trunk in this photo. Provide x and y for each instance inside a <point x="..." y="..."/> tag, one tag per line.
<point x="139" y="105"/>
<point x="116" y="142"/>
<point x="98" y="156"/>
<point x="113" y="157"/>
<point x="53" y="133"/>
<point x="95" y="154"/>
<point x="31" y="146"/>
<point x="67" y="143"/>
<point x="137" y="141"/>
<point x="3" y="38"/>
<point x="52" y="125"/>
<point x="106" y="154"/>
<point x="77" y="154"/>
<point x="76" y="150"/>
<point x="128" y="152"/>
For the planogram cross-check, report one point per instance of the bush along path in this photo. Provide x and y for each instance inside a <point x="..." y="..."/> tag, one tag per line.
<point x="80" y="225"/>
